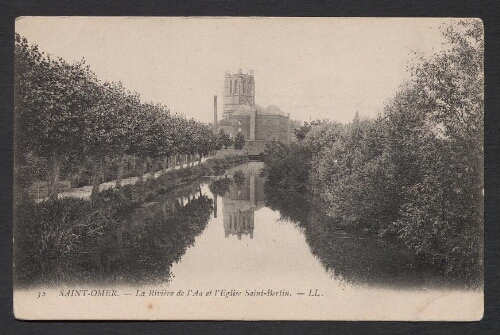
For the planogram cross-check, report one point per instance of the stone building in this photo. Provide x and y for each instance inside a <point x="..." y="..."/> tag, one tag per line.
<point x="239" y="89"/>
<point x="258" y="125"/>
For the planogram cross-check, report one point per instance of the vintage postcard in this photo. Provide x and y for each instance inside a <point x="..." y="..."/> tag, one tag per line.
<point x="224" y="168"/>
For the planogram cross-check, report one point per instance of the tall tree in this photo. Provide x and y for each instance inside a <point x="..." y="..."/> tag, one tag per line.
<point x="239" y="141"/>
<point x="437" y="121"/>
<point x="223" y="140"/>
<point x="52" y="98"/>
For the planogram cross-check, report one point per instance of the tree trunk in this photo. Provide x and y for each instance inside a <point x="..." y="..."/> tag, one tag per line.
<point x="96" y="173"/>
<point x="180" y="161"/>
<point x="164" y="210"/>
<point x="134" y="165"/>
<point x="215" y="206"/>
<point x="154" y="164"/>
<point x="53" y="176"/>
<point x="199" y="161"/>
<point x="165" y="164"/>
<point x="119" y="174"/>
<point x="103" y="169"/>
<point x="142" y="169"/>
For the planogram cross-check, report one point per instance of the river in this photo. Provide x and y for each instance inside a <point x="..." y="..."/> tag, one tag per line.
<point x="228" y="247"/>
<point x="246" y="242"/>
<point x="261" y="254"/>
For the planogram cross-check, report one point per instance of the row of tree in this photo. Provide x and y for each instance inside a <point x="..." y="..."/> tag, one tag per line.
<point x="63" y="110"/>
<point x="416" y="171"/>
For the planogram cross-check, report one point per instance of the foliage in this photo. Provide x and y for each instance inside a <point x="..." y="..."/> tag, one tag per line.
<point x="441" y="204"/>
<point x="286" y="163"/>
<point x="353" y="175"/>
<point x="70" y="120"/>
<point x="415" y="173"/>
<point x="120" y="235"/>
<point x="239" y="141"/>
<point x="239" y="177"/>
<point x="220" y="186"/>
<point x="300" y="133"/>
<point x="224" y="139"/>
<point x="48" y="234"/>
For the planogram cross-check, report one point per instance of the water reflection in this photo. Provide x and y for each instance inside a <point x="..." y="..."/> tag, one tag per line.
<point x="247" y="246"/>
<point x="350" y="256"/>
<point x="295" y="238"/>
<point x="267" y="233"/>
<point x="144" y="242"/>
<point x="245" y="196"/>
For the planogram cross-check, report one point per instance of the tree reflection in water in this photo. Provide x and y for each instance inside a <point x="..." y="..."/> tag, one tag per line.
<point x="352" y="256"/>
<point x="221" y="186"/>
<point x="142" y="246"/>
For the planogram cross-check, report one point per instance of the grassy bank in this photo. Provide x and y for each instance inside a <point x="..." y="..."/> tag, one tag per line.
<point x="75" y="240"/>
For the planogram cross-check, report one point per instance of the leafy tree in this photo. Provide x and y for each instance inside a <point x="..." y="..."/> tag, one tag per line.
<point x="436" y="122"/>
<point x="300" y="133"/>
<point x="416" y="172"/>
<point x="354" y="177"/>
<point x="52" y="99"/>
<point x="223" y="139"/>
<point x="191" y="139"/>
<point x="239" y="141"/>
<point x="106" y="129"/>
<point x="322" y="134"/>
<point x="239" y="177"/>
<point x="221" y="186"/>
<point x="158" y="140"/>
<point x="204" y="140"/>
<point x="125" y="135"/>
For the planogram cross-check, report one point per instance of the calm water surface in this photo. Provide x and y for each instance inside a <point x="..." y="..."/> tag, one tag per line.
<point x="232" y="234"/>
<point x="245" y="242"/>
<point x="290" y="246"/>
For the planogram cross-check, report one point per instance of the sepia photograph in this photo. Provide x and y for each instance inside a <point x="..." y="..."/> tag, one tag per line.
<point x="248" y="168"/>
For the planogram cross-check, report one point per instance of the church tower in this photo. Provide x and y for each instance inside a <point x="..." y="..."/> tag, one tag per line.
<point x="239" y="89"/>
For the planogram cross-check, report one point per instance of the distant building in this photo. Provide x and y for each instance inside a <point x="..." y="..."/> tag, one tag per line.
<point x="258" y="125"/>
<point x="239" y="89"/>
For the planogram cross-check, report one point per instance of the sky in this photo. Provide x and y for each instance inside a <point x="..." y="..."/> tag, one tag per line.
<point x="312" y="68"/>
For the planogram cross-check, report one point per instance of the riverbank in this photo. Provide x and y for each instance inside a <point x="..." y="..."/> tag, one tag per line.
<point x="74" y="239"/>
<point x="84" y="192"/>
<point x="358" y="192"/>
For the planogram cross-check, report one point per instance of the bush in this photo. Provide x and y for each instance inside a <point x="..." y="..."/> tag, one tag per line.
<point x="49" y="234"/>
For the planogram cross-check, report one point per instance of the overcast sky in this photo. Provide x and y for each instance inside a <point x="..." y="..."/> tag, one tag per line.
<point x="309" y="67"/>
